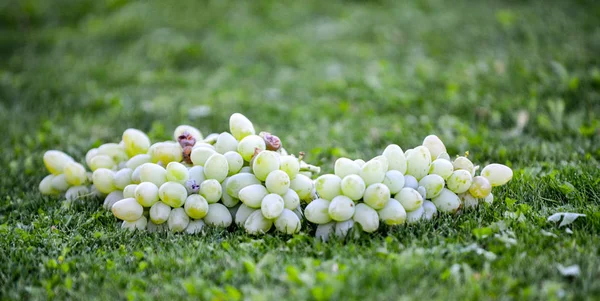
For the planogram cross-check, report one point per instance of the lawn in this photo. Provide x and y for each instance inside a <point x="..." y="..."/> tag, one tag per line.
<point x="513" y="82"/>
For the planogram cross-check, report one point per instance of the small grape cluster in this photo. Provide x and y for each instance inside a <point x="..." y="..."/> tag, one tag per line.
<point x="185" y="184"/>
<point x="399" y="187"/>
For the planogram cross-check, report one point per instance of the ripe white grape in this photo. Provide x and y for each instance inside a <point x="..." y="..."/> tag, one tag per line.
<point x="447" y="201"/>
<point x="256" y="223"/>
<point x="135" y="175"/>
<point x="433" y="185"/>
<point x="136" y="142"/>
<point x="410" y="182"/>
<point x="376" y="195"/>
<point x="226" y="143"/>
<point x="367" y="218"/>
<point x="59" y="183"/>
<point x="138" y="160"/>
<point x="291" y="199"/>
<point x="345" y="166"/>
<point x="396" y="158"/>
<point x="76" y="192"/>
<point x="328" y="186"/>
<point x="272" y="205"/>
<point x="240" y="126"/>
<point x="196" y="206"/>
<point x="196" y="173"/>
<point x="56" y="161"/>
<point x="204" y="144"/>
<point x="113" y="150"/>
<point x="194" y="132"/>
<point x="422" y="191"/>
<point x="252" y="195"/>
<point x="288" y="222"/>
<point x="211" y="190"/>
<point x="302" y="185"/>
<point x="123" y="178"/>
<point x="111" y="199"/>
<point x="394" y="180"/>
<point x="278" y="182"/>
<point x="89" y="155"/>
<point x="239" y="181"/>
<point x="178" y="220"/>
<point x="460" y="181"/>
<point x="177" y="172"/>
<point x="384" y="161"/>
<point x="480" y="187"/>
<point x="341" y="208"/>
<point x="248" y="145"/>
<point x="216" y="167"/>
<point x="468" y="201"/>
<point x="139" y="224"/>
<point x="360" y="162"/>
<point x="226" y="199"/>
<point x="101" y="161"/>
<point x="463" y="163"/>
<point x="290" y="165"/>
<point x="373" y="172"/>
<point x="242" y="214"/>
<point x="46" y="185"/>
<point x="195" y="227"/>
<point x="489" y="199"/>
<point x="353" y="187"/>
<point x="442" y="168"/>
<point x="429" y="210"/>
<point x="497" y="174"/>
<point x="172" y="194"/>
<point x="415" y="215"/>
<point x="444" y="156"/>
<point x="75" y="173"/>
<point x="166" y="152"/>
<point x="218" y="216"/>
<point x="246" y="169"/>
<point x="200" y="155"/>
<point x="434" y="145"/>
<point x="409" y="198"/>
<point x="342" y="228"/>
<point x="150" y="172"/>
<point x="418" y="162"/>
<point x="129" y="191"/>
<point x="104" y="180"/>
<point x="324" y="231"/>
<point x="146" y="193"/>
<point x="264" y="163"/>
<point x="235" y="162"/>
<point x="393" y="213"/>
<point x="127" y="209"/>
<point x="160" y="212"/>
<point x="317" y="211"/>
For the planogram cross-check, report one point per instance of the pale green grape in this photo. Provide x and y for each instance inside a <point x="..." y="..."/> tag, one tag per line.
<point x="317" y="211"/>
<point x="409" y="198"/>
<point x="328" y="186"/>
<point x="46" y="186"/>
<point x="211" y="190"/>
<point x="235" y="162"/>
<point x="101" y="161"/>
<point x="264" y="163"/>
<point x="196" y="173"/>
<point x="240" y="126"/>
<point x="278" y="182"/>
<point x="76" y="192"/>
<point x="434" y="145"/>
<point x="56" y="161"/>
<point x="248" y="145"/>
<point x="383" y="161"/>
<point x="216" y="167"/>
<point x="218" y="216"/>
<point x="127" y="209"/>
<point x="113" y="150"/>
<point x="353" y="187"/>
<point x="302" y="185"/>
<point x="373" y="172"/>
<point x="433" y="185"/>
<point x="190" y="130"/>
<point x="344" y="167"/>
<point x="394" y="180"/>
<point x="196" y="206"/>
<point x="290" y="165"/>
<point x="139" y="224"/>
<point x="166" y="152"/>
<point x="146" y="193"/>
<point x="410" y="182"/>
<point x="59" y="183"/>
<point x="396" y="158"/>
<point x="246" y="169"/>
<point x="376" y="195"/>
<point x="366" y="217"/>
<point x="460" y="181"/>
<point x="112" y="198"/>
<point x="288" y="222"/>
<point x="480" y="187"/>
<point x="418" y="162"/>
<point x="468" y="201"/>
<point x="447" y="201"/>
<point x="489" y="199"/>
<point x="342" y="228"/>
<point x="256" y="223"/>
<point x="360" y="162"/>
<point x="239" y="181"/>
<point x="442" y="168"/>
<point x="129" y="191"/>
<point x="393" y="213"/>
<point x="422" y="191"/>
<point x="173" y="194"/>
<point x="138" y="160"/>
<point x="226" y="199"/>
<point x="75" y="173"/>
<point x="136" y="142"/>
<point x="291" y="199"/>
<point x="160" y="212"/>
<point x="341" y="208"/>
<point x="463" y="163"/>
<point x="429" y="210"/>
<point x="497" y="174"/>
<point x="177" y="172"/>
<point x="200" y="155"/>
<point x="123" y="178"/>
<point x="150" y="172"/>
<point x="415" y="216"/>
<point x="104" y="180"/>
<point x="226" y="143"/>
<point x="195" y="227"/>
<point x="89" y="155"/>
<point x="242" y="214"/>
<point x="204" y="144"/>
<point x="324" y="231"/>
<point x="178" y="220"/>
<point x="272" y="205"/>
<point x="444" y="156"/>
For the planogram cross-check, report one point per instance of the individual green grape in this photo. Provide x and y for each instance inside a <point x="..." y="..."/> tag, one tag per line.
<point x="150" y="172"/>
<point x="146" y="193"/>
<point x="480" y="187"/>
<point x="123" y="178"/>
<point x="302" y="185"/>
<point x="160" y="212"/>
<point x="341" y="208"/>
<point x="101" y="161"/>
<point x="140" y="224"/>
<point x="344" y="167"/>
<point x="242" y="214"/>
<point x="444" y="156"/>
<point x="376" y="195"/>
<point x="435" y="145"/>
<point x="383" y="161"/>
<point x="442" y="168"/>
<point x="216" y="167"/>
<point x="360" y="162"/>
<point x="211" y="190"/>
<point x="278" y="182"/>
<point x="127" y="210"/>
<point x="256" y="223"/>
<point x="59" y="183"/>
<point x="112" y="198"/>
<point x="248" y="145"/>
<point x="393" y="213"/>
<point x="89" y="155"/>
<point x="104" y="180"/>
<point x="288" y="222"/>
<point x="343" y="228"/>
<point x="246" y="169"/>
<point x="135" y="175"/>
<point x="226" y="143"/>
<point x="394" y="180"/>
<point x="291" y="199"/>
<point x="415" y="216"/>
<point x="447" y="201"/>
<point x="129" y="191"/>
<point x="373" y="172"/>
<point x="433" y="185"/>
<point x="204" y="144"/>
<point x="324" y="231"/>
<point x="409" y="198"/>
<point x="264" y="163"/>
<point x="497" y="174"/>
<point x="138" y="160"/>
<point x="114" y="151"/>
<point x="240" y="126"/>
<point x="396" y="158"/>
<point x="177" y="172"/>
<point x="418" y="162"/>
<point x="463" y="163"/>
<point x="56" y="161"/>
<point x="76" y="192"/>
<point x="429" y="210"/>
<point x="136" y="142"/>
<point x="194" y="132"/>
<point x="173" y="194"/>
<point x="468" y="201"/>
<point x="46" y="186"/>
<point x="196" y="173"/>
<point x="226" y="199"/>
<point x="290" y="165"/>
<point x="238" y="182"/>
<point x="178" y="220"/>
<point x="317" y="211"/>
<point x="460" y="181"/>
<point x="411" y="182"/>
<point x="195" y="227"/>
<point x="422" y="191"/>
<point x="196" y="206"/>
<point x="272" y="205"/>
<point x="489" y="199"/>
<point x="218" y="216"/>
<point x="235" y="162"/>
<point x="75" y="173"/>
<point x="328" y="186"/>
<point x="166" y="152"/>
<point x="200" y="155"/>
<point x="366" y="217"/>
<point x="353" y="187"/>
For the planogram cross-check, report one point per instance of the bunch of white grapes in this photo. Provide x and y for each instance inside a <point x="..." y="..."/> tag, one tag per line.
<point x="399" y="187"/>
<point x="185" y="184"/>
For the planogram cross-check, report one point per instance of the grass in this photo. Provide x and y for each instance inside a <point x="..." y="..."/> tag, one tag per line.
<point x="514" y="82"/>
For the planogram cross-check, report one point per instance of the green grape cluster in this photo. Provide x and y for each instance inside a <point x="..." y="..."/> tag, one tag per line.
<point x="399" y="187"/>
<point x="182" y="185"/>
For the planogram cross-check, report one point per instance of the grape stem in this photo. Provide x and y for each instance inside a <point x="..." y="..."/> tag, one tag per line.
<point x="310" y="168"/>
